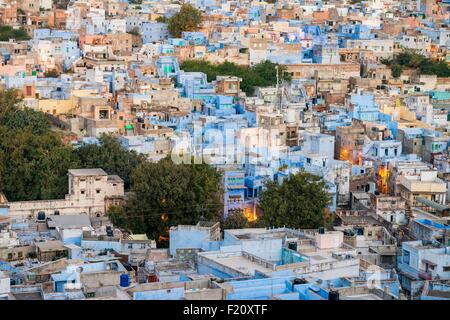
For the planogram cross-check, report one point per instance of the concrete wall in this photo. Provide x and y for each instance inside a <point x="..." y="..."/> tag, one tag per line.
<point x="329" y="240"/>
<point x="4" y="284"/>
<point x="166" y="294"/>
<point x="101" y="245"/>
<point x="99" y="279"/>
<point x="206" y="294"/>
<point x="71" y="236"/>
<point x="184" y="239"/>
<point x="267" y="249"/>
<point x="14" y="251"/>
<point x="26" y="208"/>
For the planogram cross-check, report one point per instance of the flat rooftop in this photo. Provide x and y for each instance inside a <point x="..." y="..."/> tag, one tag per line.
<point x="87" y="172"/>
<point x="28" y="296"/>
<point x="242" y="264"/>
<point x="237" y="262"/>
<point x="114" y="178"/>
<point x="368" y="296"/>
<point x="69" y="221"/>
<point x="259" y="233"/>
<point x="54" y="245"/>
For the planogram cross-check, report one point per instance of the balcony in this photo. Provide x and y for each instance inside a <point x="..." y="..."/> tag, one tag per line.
<point x="405" y="268"/>
<point x="425" y="275"/>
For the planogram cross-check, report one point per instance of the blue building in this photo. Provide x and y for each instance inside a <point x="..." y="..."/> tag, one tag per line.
<point x="234" y="191"/>
<point x="167" y="66"/>
<point x="364" y="107"/>
<point x="194" y="38"/>
<point x="153" y="31"/>
<point x="204" y="236"/>
<point x="220" y="106"/>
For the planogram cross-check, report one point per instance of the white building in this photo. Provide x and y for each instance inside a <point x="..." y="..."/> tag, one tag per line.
<point x="5" y="287"/>
<point x="91" y="191"/>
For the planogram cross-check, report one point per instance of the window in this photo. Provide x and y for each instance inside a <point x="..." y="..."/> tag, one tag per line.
<point x="83" y="191"/>
<point x="97" y="191"/>
<point x="20" y="255"/>
<point x="10" y="256"/>
<point x="130" y="246"/>
<point x="103" y="114"/>
<point x="446" y="268"/>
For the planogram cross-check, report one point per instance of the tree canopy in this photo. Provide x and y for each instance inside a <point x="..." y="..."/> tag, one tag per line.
<point x="263" y="74"/>
<point x="165" y="194"/>
<point x="8" y="32"/>
<point x="412" y="59"/>
<point x="299" y="202"/>
<point x="34" y="161"/>
<point x="236" y="220"/>
<point x="188" y="18"/>
<point x="110" y="155"/>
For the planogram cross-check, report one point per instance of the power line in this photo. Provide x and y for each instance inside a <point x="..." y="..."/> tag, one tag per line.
<point x="158" y="213"/>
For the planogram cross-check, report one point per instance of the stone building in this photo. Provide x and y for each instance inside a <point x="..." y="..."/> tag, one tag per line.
<point x="90" y="192"/>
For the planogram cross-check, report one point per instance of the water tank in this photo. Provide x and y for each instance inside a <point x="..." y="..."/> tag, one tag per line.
<point x="333" y="296"/>
<point x="41" y="215"/>
<point x="124" y="280"/>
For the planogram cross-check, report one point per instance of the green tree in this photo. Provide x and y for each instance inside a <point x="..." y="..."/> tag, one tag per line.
<point x="413" y="59"/>
<point x="187" y="19"/>
<point x="299" y="202"/>
<point x="263" y="74"/>
<point x="118" y="217"/>
<point x="52" y="73"/>
<point x="8" y="103"/>
<point x="8" y="32"/>
<point x="20" y="119"/>
<point x="135" y="31"/>
<point x="36" y="164"/>
<point x="34" y="161"/>
<point x="396" y="70"/>
<point x="111" y="156"/>
<point x="162" y="19"/>
<point x="165" y="194"/>
<point x="235" y="220"/>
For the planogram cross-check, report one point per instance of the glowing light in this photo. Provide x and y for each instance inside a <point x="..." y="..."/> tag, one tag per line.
<point x="250" y="215"/>
<point x="383" y="173"/>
